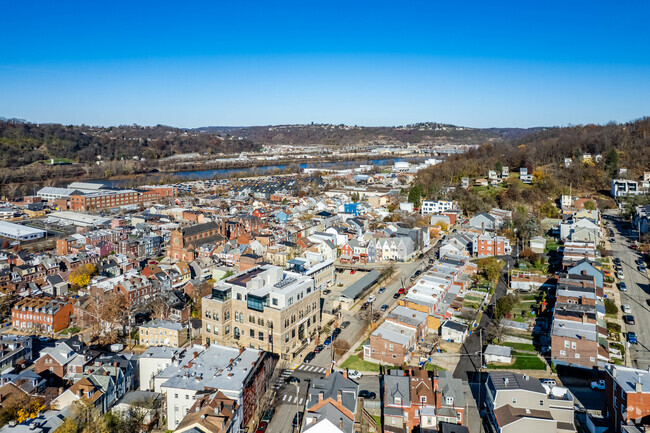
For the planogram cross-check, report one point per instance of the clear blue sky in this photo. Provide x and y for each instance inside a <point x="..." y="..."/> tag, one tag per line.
<point x="356" y="62"/>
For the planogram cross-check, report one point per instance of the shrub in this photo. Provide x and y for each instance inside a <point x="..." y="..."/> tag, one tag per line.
<point x="610" y="307"/>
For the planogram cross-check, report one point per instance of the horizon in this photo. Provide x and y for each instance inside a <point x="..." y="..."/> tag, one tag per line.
<point x="503" y="65"/>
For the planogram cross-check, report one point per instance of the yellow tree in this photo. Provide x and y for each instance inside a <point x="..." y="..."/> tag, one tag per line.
<point x="80" y="277"/>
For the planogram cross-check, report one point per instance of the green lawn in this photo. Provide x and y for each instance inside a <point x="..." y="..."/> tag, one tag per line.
<point x="377" y="420"/>
<point x="523" y="361"/>
<point x="520" y="346"/>
<point x="431" y="367"/>
<point x="355" y="363"/>
<point x="551" y="245"/>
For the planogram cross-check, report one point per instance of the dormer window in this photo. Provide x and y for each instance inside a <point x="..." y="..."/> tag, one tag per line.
<point x="449" y="401"/>
<point x="398" y="400"/>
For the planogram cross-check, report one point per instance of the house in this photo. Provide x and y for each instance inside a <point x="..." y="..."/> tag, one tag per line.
<point x="500" y="354"/>
<point x="488" y="245"/>
<point x="483" y="221"/>
<point x="211" y="413"/>
<point x="152" y="362"/>
<point x="626" y="395"/>
<point x="519" y="403"/>
<point x="146" y="403"/>
<point x="453" y="331"/>
<point x="538" y="244"/>
<point x="391" y="343"/>
<point x="436" y="206"/>
<point x="332" y="405"/>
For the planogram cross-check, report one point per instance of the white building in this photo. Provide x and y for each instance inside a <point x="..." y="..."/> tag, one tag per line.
<point x="20" y="232"/>
<point x="623" y="187"/>
<point x="154" y="361"/>
<point x="200" y="369"/>
<point x="437" y="206"/>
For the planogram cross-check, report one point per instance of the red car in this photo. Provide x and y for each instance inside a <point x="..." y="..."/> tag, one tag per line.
<point x="352" y="271"/>
<point x="401" y="291"/>
<point x="262" y="427"/>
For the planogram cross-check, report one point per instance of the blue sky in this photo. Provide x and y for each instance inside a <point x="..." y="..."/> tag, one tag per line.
<point x="193" y="63"/>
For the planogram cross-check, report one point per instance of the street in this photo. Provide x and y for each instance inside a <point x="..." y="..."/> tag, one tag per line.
<point x="638" y="289"/>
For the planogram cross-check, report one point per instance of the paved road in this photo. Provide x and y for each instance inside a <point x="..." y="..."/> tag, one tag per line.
<point x="638" y="289"/>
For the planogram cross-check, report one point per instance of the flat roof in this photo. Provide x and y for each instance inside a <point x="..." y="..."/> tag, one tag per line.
<point x="18" y="229"/>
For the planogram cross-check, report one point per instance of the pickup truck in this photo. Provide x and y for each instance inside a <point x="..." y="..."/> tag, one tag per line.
<point x="600" y="384"/>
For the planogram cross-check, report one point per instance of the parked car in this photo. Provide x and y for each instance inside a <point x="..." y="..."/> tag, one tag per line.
<point x="401" y="290"/>
<point x="354" y="374"/>
<point x="612" y="240"/>
<point x="620" y="275"/>
<point x="599" y="384"/>
<point x="319" y="348"/>
<point x="336" y="331"/>
<point x="384" y="307"/>
<point x="631" y="337"/>
<point x="367" y="394"/>
<point x="622" y="286"/>
<point x="327" y="341"/>
<point x="297" y="419"/>
<point x="262" y="427"/>
<point x="345" y="324"/>
<point x="548" y="382"/>
<point x="626" y="308"/>
<point x="365" y="305"/>
<point x="628" y="319"/>
<point x="352" y="271"/>
<point x="381" y="290"/>
<point x="642" y="268"/>
<point x="396" y="295"/>
<point x="327" y="292"/>
<point x="372" y="298"/>
<point x="268" y="415"/>
<point x="310" y="357"/>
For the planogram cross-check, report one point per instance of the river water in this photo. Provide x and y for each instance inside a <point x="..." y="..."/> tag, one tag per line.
<point x="182" y="176"/>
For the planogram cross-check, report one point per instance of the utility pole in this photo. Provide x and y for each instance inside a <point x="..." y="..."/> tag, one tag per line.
<point x="480" y="377"/>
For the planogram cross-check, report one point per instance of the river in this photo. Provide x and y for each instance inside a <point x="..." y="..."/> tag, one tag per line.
<point x="182" y="176"/>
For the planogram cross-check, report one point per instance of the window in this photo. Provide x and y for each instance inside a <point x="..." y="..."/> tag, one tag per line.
<point x="514" y="400"/>
<point x="187" y="396"/>
<point x="423" y="399"/>
<point x="286" y="337"/>
<point x="449" y="401"/>
<point x="251" y="333"/>
<point x="577" y="355"/>
<point x="293" y="333"/>
<point x="390" y="347"/>
<point x="592" y="359"/>
<point x="251" y="319"/>
<point x="274" y="301"/>
<point x="541" y="402"/>
<point x="573" y="345"/>
<point x="566" y="344"/>
<point x="175" y="395"/>
<point x="227" y="331"/>
<point x="239" y="296"/>
<point x="260" y="336"/>
<point x="562" y="352"/>
<point x="207" y="328"/>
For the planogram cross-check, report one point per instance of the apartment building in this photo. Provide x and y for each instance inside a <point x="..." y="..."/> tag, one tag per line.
<point x="264" y="307"/>
<point x="488" y="245"/>
<point x="163" y="333"/>
<point x="41" y="314"/>
<point x="627" y="395"/>
<point x="436" y="206"/>
<point x="106" y="199"/>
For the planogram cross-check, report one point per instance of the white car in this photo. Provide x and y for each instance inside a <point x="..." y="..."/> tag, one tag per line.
<point x="620" y="275"/>
<point x="354" y="374"/>
<point x="598" y="385"/>
<point x="549" y="382"/>
<point x="372" y="298"/>
<point x="626" y="308"/>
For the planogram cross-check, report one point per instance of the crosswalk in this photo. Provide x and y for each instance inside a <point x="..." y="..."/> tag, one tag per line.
<point x="278" y="383"/>
<point x="311" y="368"/>
<point x="292" y="399"/>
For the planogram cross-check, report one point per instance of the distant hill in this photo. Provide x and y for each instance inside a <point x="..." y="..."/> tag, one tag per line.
<point x="23" y="143"/>
<point x="354" y="135"/>
<point x="596" y="154"/>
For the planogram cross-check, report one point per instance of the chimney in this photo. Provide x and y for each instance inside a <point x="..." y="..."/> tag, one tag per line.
<point x="345" y="374"/>
<point x="241" y="350"/>
<point x="584" y="317"/>
<point x="339" y="396"/>
<point x="60" y="390"/>
<point x="327" y="373"/>
<point x="638" y="387"/>
<point x="321" y="395"/>
<point x="195" y="355"/>
<point x="341" y="424"/>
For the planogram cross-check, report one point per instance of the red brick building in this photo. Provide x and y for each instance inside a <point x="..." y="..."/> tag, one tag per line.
<point x="41" y="314"/>
<point x="627" y="394"/>
<point x="105" y="199"/>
